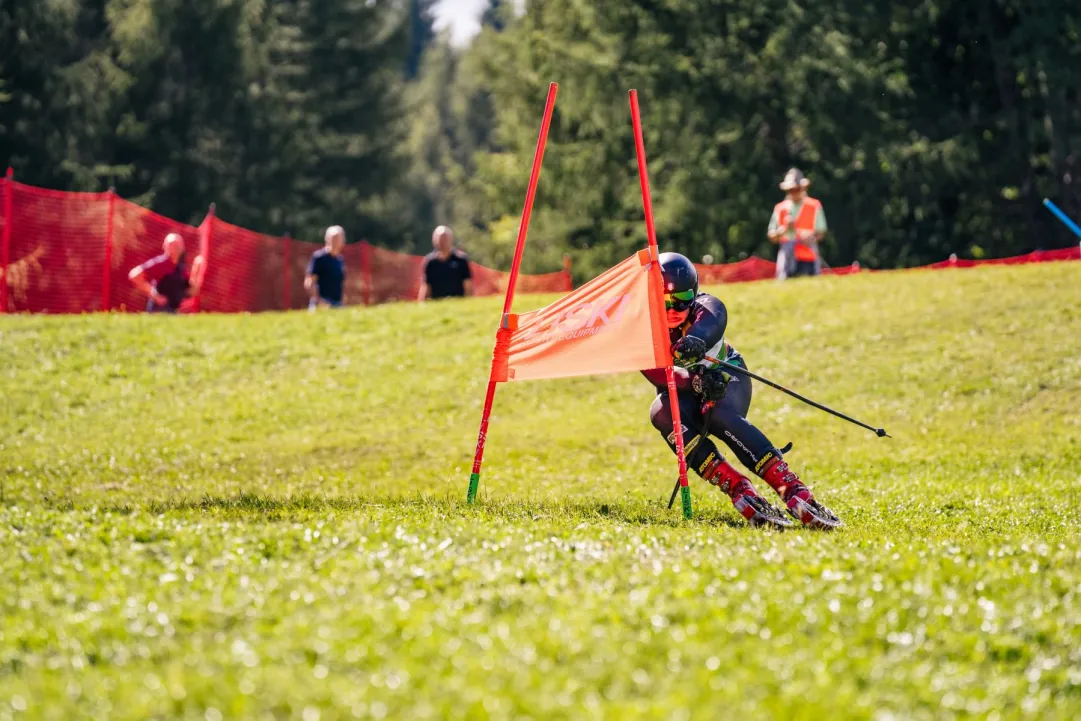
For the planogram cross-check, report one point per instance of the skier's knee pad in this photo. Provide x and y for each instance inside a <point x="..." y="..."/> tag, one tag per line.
<point x="660" y="415"/>
<point x="695" y="447"/>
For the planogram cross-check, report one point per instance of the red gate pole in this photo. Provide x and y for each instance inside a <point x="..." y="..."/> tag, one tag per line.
<point x="651" y="234"/>
<point x="287" y="294"/>
<point x="523" y="229"/>
<point x="5" y="240"/>
<point x="107" y="271"/>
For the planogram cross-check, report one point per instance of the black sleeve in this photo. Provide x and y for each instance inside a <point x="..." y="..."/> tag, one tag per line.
<point x="424" y="271"/>
<point x="311" y="266"/>
<point x="467" y="272"/>
<point x="710" y="320"/>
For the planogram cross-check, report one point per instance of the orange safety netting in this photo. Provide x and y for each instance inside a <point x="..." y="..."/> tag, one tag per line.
<point x="64" y="252"/>
<point x="494" y="282"/>
<point x="246" y="271"/>
<point x="55" y="250"/>
<point x="1037" y="256"/>
<point x="755" y="268"/>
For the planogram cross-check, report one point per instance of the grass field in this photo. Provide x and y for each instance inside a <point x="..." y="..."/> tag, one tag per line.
<point x="263" y="517"/>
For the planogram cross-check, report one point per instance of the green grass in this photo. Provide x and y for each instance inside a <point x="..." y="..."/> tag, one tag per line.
<point x="263" y="517"/>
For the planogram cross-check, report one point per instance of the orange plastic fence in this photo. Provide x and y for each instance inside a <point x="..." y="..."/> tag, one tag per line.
<point x="755" y="268"/>
<point x="64" y="252"/>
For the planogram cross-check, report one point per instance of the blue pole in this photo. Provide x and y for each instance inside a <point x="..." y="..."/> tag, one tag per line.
<point x="1063" y="217"/>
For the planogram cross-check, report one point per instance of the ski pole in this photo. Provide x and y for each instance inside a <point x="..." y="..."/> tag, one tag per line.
<point x="880" y="432"/>
<point x="1063" y="217"/>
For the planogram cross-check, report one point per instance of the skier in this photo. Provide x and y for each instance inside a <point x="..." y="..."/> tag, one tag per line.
<point x="713" y="400"/>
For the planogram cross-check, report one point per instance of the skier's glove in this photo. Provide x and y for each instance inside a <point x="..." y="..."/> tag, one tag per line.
<point x="710" y="384"/>
<point x="688" y="350"/>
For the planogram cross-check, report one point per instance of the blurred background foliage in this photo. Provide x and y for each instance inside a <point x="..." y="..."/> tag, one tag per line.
<point x="928" y="127"/>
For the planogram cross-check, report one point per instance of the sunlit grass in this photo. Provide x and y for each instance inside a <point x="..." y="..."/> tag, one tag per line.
<point x="263" y="516"/>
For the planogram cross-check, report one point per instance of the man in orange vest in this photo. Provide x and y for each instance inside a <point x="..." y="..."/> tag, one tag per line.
<point x="797" y="225"/>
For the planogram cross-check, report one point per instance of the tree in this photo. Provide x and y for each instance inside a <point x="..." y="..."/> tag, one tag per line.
<point x="181" y="121"/>
<point x="927" y="130"/>
<point x="340" y="62"/>
<point x="494" y="15"/>
<point x="38" y="44"/>
<point x="421" y="34"/>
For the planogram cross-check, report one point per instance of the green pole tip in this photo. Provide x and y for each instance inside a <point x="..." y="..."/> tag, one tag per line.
<point x="474" y="483"/>
<point x="685" y="492"/>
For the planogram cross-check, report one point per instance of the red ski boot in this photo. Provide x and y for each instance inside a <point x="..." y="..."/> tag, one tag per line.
<point x="797" y="497"/>
<point x="756" y="509"/>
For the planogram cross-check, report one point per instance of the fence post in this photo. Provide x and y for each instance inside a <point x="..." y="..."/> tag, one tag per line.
<point x="567" y="270"/>
<point x="204" y="250"/>
<point x="107" y="271"/>
<point x="5" y="241"/>
<point x="287" y="296"/>
<point x="366" y="272"/>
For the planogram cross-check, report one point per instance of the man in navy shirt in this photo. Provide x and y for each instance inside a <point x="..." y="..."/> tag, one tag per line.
<point x="446" y="271"/>
<point x="164" y="278"/>
<point x="325" y="278"/>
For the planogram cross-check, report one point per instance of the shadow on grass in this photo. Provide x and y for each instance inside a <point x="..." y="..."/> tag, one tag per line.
<point x="645" y="513"/>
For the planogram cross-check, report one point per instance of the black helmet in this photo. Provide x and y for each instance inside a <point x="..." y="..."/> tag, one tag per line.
<point x="678" y="273"/>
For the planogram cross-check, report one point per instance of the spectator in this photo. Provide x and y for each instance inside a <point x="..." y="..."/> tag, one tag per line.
<point x="798" y="225"/>
<point x="325" y="277"/>
<point x="446" y="269"/>
<point x="165" y="280"/>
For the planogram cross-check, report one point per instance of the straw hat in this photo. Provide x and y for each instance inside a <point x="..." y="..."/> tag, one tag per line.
<point x="794" y="178"/>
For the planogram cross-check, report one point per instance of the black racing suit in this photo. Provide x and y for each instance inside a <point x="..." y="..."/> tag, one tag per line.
<point x="727" y="420"/>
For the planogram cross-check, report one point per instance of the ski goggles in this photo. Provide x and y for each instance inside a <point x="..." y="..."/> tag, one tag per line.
<point x="679" y="300"/>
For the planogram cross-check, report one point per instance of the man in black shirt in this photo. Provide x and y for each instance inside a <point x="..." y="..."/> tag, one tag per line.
<point x="325" y="278"/>
<point x="446" y="271"/>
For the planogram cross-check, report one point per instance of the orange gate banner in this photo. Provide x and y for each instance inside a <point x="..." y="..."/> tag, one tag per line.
<point x="613" y="323"/>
